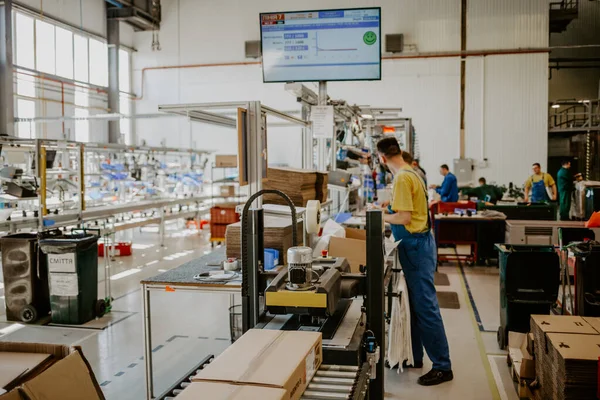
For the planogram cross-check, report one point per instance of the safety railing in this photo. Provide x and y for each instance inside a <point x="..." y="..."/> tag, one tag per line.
<point x="574" y="115"/>
<point x="569" y="5"/>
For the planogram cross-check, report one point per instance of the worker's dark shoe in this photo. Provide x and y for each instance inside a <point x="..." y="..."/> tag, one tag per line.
<point x="435" y="377"/>
<point x="415" y="364"/>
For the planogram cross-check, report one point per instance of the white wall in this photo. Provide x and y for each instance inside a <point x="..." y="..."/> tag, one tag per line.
<point x="428" y="90"/>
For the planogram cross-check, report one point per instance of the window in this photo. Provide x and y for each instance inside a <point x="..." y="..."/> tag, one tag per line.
<point x="26" y="109"/>
<point x="25" y="55"/>
<point x="44" y="47"/>
<point x="25" y="85"/>
<point x="82" y="127"/>
<point x="80" y="44"/>
<point x="98" y="63"/>
<point x="124" y="81"/>
<point x="64" y="53"/>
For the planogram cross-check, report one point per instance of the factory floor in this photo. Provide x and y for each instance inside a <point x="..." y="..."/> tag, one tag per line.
<point x="188" y="326"/>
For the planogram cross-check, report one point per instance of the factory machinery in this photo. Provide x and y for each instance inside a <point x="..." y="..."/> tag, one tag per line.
<point x="49" y="183"/>
<point x="321" y="294"/>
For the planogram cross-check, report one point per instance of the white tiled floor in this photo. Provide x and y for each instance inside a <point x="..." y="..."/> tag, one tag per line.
<point x="188" y="326"/>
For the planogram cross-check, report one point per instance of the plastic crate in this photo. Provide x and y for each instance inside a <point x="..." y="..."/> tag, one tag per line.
<point x="121" y="249"/>
<point x="223" y="215"/>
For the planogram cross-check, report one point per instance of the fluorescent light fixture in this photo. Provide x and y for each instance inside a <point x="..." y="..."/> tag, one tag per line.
<point x="124" y="274"/>
<point x="367" y="116"/>
<point x="555" y="105"/>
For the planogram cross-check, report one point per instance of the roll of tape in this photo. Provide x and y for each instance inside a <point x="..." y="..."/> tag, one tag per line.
<point x="312" y="216"/>
<point x="230" y="265"/>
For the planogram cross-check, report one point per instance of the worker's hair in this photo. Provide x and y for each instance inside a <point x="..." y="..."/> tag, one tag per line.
<point x="537" y="164"/>
<point x="565" y="162"/>
<point x="482" y="180"/>
<point x="407" y="157"/>
<point x="389" y="147"/>
<point x="445" y="166"/>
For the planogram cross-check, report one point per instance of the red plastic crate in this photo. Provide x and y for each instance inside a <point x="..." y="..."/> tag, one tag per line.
<point x="223" y="215"/>
<point x="121" y="249"/>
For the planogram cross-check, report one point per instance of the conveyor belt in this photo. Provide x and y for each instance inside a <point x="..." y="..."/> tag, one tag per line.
<point x="331" y="382"/>
<point x="338" y="382"/>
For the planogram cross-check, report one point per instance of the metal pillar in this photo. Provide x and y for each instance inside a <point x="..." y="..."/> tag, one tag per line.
<point x="375" y="296"/>
<point x="322" y="143"/>
<point x="112" y="36"/>
<point x="256" y="134"/>
<point x="255" y="251"/>
<point x="7" y="112"/>
<point x="307" y="140"/>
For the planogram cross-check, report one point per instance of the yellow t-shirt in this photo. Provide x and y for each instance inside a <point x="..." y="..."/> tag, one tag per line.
<point x="548" y="180"/>
<point x="408" y="194"/>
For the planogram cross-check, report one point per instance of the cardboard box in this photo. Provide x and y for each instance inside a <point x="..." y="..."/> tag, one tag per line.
<point x="226" y="391"/>
<point x="522" y="362"/>
<point x="530" y="344"/>
<point x="65" y="375"/>
<point x="562" y="324"/>
<point x="227" y="190"/>
<point x="261" y="357"/>
<point x="594" y="322"/>
<point x="576" y="347"/>
<point x="353" y="247"/>
<point x="222" y="160"/>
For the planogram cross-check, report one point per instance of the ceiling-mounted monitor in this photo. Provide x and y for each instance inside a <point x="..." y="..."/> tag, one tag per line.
<point x="325" y="45"/>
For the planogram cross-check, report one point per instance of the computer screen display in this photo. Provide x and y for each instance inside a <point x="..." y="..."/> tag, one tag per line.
<point x="327" y="45"/>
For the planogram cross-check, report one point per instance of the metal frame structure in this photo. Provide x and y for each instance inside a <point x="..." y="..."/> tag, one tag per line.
<point x="255" y="126"/>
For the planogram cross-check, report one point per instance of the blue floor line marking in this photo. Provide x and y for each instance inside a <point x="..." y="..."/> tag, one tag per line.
<point x="104" y="383"/>
<point x="120" y="373"/>
<point x="471" y="299"/>
<point x="169" y="340"/>
<point x="220" y="338"/>
<point x="202" y="337"/>
<point x="131" y="365"/>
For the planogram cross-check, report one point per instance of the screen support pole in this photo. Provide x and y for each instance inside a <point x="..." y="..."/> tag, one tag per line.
<point x="322" y="143"/>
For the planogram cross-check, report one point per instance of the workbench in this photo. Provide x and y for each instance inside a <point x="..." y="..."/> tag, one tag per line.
<point x="181" y="279"/>
<point x="524" y="211"/>
<point x="479" y="232"/>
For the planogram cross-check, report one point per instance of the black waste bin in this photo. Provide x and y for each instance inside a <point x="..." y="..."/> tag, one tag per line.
<point x="587" y="279"/>
<point x="529" y="281"/>
<point x="73" y="277"/>
<point x="25" y="278"/>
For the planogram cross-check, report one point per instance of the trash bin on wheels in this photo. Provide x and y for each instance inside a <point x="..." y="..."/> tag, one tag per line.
<point x="529" y="281"/>
<point x="25" y="278"/>
<point x="587" y="279"/>
<point x="73" y="277"/>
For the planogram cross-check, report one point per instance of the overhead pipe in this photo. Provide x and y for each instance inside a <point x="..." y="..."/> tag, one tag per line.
<point x="476" y="53"/>
<point x="68" y="83"/>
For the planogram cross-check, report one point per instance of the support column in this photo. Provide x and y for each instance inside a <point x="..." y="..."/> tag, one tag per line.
<point x="307" y="140"/>
<point x="7" y="112"/>
<point x="322" y="143"/>
<point x="112" y="36"/>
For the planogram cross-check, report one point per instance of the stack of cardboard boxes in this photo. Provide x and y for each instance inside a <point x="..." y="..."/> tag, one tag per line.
<point x="566" y="350"/>
<point x="300" y="185"/>
<point x="262" y="364"/>
<point x="45" y="371"/>
<point x="221" y="216"/>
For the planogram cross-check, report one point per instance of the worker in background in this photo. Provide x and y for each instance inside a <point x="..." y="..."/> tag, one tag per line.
<point x="536" y="185"/>
<point x="565" y="188"/>
<point x="409" y="219"/>
<point x="417" y="167"/>
<point x="485" y="192"/>
<point x="407" y="157"/>
<point x="449" y="189"/>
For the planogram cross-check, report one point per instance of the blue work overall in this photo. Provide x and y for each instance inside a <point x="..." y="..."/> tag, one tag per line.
<point x="538" y="191"/>
<point x="418" y="258"/>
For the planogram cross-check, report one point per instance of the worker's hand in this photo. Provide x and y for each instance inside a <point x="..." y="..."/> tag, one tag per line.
<point x="433" y="186"/>
<point x="383" y="205"/>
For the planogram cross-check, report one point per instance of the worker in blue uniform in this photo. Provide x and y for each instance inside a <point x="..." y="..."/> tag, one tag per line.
<point x="538" y="185"/>
<point x="409" y="219"/>
<point x="449" y="189"/>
